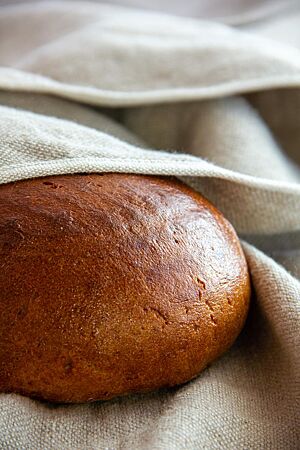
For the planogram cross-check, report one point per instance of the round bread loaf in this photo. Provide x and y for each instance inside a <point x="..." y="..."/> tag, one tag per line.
<point x="112" y="284"/>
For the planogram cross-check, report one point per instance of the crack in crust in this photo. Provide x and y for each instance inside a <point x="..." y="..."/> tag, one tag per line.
<point x="202" y="287"/>
<point x="213" y="319"/>
<point x="158" y="313"/>
<point x="201" y="284"/>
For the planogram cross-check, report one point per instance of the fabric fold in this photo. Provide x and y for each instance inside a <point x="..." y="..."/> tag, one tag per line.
<point x="109" y="89"/>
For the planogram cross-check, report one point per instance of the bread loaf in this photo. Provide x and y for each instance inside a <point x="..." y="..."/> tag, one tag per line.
<point x="112" y="284"/>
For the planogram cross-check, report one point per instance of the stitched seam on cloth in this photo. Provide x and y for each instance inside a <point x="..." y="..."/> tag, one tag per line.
<point x="100" y="164"/>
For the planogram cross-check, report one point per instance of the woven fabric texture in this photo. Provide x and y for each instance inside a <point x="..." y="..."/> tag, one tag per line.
<point x="87" y="87"/>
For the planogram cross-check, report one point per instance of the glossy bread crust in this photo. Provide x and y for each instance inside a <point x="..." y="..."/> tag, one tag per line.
<point x="113" y="283"/>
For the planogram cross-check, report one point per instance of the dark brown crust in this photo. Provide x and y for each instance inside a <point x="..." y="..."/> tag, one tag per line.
<point x="113" y="283"/>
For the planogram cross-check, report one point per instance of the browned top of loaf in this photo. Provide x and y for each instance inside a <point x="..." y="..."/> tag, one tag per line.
<point x="113" y="283"/>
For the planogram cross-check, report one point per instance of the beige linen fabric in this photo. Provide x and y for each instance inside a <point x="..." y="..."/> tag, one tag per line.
<point x="87" y="87"/>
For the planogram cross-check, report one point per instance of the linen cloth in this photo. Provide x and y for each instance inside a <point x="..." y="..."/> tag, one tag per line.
<point x="90" y="88"/>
